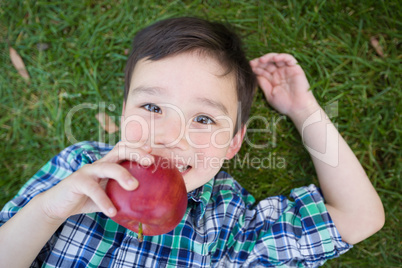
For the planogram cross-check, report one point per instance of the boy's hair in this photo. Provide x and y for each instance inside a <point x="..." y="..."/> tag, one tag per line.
<point x="187" y="34"/>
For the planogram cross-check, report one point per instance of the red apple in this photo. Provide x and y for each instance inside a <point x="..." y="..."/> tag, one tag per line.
<point x="158" y="204"/>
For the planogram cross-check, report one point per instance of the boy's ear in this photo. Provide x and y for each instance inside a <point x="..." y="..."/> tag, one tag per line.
<point x="122" y="111"/>
<point x="124" y="108"/>
<point x="236" y="143"/>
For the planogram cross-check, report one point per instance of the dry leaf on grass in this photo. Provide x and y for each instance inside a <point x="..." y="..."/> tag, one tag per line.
<point x="19" y="64"/>
<point x="376" y="45"/>
<point x="107" y="123"/>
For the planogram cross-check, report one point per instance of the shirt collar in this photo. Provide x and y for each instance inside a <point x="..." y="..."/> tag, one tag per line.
<point x="201" y="197"/>
<point x="203" y="193"/>
<point x="93" y="155"/>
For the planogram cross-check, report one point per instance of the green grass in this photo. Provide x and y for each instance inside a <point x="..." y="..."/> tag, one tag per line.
<point x="331" y="40"/>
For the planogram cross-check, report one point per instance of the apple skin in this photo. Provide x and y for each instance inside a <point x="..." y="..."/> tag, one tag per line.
<point x="159" y="203"/>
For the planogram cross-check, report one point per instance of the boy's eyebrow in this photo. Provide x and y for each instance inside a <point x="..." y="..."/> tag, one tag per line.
<point x="214" y="104"/>
<point x="159" y="91"/>
<point x="147" y="90"/>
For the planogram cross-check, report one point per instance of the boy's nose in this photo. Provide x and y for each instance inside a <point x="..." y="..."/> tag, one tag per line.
<point x="170" y="133"/>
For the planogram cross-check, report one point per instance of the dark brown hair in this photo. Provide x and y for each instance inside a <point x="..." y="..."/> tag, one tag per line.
<point x="178" y="35"/>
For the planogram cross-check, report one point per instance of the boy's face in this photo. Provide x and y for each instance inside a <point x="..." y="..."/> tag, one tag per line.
<point x="185" y="109"/>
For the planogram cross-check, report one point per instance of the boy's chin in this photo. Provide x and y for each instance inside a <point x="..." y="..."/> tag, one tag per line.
<point x="194" y="180"/>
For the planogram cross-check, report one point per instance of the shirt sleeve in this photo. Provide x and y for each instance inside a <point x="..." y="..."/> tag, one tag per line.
<point x="48" y="176"/>
<point x="320" y="239"/>
<point x="283" y="233"/>
<point x="58" y="168"/>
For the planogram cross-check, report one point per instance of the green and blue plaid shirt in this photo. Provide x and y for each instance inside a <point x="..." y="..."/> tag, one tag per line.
<point x="222" y="227"/>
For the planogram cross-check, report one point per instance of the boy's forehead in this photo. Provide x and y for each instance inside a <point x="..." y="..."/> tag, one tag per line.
<point x="215" y="66"/>
<point x="185" y="65"/>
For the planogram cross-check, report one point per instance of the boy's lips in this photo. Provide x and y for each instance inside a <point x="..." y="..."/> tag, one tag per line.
<point x="181" y="163"/>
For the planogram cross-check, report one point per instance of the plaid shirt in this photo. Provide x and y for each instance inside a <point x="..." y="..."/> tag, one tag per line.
<point x="222" y="227"/>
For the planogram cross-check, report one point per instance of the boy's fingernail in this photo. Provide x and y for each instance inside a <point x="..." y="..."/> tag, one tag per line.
<point x="132" y="182"/>
<point x="257" y="71"/>
<point x="146" y="148"/>
<point x="111" y="211"/>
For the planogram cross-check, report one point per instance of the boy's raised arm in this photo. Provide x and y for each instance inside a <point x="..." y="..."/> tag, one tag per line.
<point x="24" y="235"/>
<point x="351" y="200"/>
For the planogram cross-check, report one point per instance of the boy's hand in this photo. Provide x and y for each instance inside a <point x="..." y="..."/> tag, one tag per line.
<point x="84" y="190"/>
<point x="284" y="83"/>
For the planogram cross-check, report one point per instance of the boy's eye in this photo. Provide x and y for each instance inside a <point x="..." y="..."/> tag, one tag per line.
<point x="152" y="108"/>
<point x="202" y="119"/>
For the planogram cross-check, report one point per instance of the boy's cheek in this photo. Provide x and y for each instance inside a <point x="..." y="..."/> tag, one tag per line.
<point x="221" y="139"/>
<point x="134" y="129"/>
<point x="199" y="140"/>
<point x="218" y="139"/>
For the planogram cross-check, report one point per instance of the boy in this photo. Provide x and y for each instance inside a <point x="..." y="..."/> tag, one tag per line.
<point x="188" y="94"/>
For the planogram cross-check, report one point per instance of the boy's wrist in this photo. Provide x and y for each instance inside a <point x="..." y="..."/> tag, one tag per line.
<point x="39" y="201"/>
<point x="300" y="116"/>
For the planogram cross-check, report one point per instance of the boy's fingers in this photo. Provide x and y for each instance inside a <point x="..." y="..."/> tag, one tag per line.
<point x="285" y="58"/>
<point x="280" y="64"/>
<point x="113" y="171"/>
<point x="94" y="191"/>
<point x="254" y="62"/>
<point x="271" y="67"/>
<point x="265" y="86"/>
<point x="263" y="72"/>
<point x="123" y="152"/>
<point x="267" y="57"/>
<point x="272" y="61"/>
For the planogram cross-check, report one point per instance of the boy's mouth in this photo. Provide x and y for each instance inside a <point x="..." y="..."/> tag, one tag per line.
<point x="183" y="169"/>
